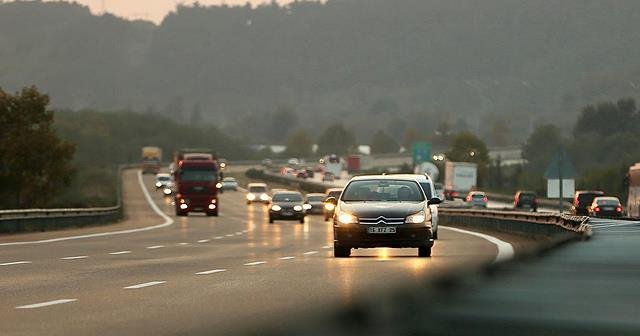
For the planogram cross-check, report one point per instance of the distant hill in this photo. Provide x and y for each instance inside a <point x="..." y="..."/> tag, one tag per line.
<point x="374" y="63"/>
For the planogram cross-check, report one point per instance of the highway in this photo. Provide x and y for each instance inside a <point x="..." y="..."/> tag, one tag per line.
<point x="158" y="274"/>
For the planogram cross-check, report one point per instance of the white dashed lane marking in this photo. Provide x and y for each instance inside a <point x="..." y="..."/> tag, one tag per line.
<point x="146" y="284"/>
<point x="155" y="247"/>
<point x="183" y="244"/>
<point x="203" y="240"/>
<point x="74" y="258"/>
<point x="326" y="247"/>
<point x="46" y="304"/>
<point x="120" y="252"/>
<point x="15" y="263"/>
<point x="287" y="258"/>
<point x="229" y="235"/>
<point x="255" y="263"/>
<point x="211" y="272"/>
<point x="219" y="237"/>
<point x="310" y="252"/>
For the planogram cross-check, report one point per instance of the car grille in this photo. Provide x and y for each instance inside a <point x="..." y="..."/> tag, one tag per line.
<point x="381" y="220"/>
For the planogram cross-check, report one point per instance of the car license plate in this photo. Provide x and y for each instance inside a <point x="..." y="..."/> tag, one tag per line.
<point x="607" y="208"/>
<point x="381" y="229"/>
<point x="287" y="213"/>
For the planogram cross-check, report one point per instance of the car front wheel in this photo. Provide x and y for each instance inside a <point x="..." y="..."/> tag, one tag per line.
<point x="341" y="252"/>
<point x="424" y="252"/>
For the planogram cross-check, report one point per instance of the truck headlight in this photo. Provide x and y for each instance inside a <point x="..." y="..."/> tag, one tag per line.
<point x="297" y="208"/>
<point x="276" y="207"/>
<point x="417" y="218"/>
<point x="347" y="218"/>
<point x="251" y="197"/>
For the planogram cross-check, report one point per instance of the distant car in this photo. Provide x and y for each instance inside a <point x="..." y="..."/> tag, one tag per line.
<point x="450" y="195"/>
<point x="382" y="211"/>
<point x="582" y="199"/>
<point x="267" y="163"/>
<point x="293" y="162"/>
<point x="162" y="180"/>
<point x="229" y="183"/>
<point x="302" y="174"/>
<point x="477" y="199"/>
<point x="525" y="200"/>
<point x="328" y="209"/>
<point x="287" y="205"/>
<point x="328" y="177"/>
<point x="315" y="203"/>
<point x="257" y="193"/>
<point x="603" y="206"/>
<point x="310" y="172"/>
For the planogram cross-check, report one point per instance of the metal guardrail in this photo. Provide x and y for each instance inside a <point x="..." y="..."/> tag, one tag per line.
<point x="26" y="220"/>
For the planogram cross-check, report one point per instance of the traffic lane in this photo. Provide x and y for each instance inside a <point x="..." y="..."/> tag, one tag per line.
<point x="227" y="301"/>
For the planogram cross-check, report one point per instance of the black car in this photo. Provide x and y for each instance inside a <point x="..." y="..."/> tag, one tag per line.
<point x="526" y="200"/>
<point x="329" y="208"/>
<point x="382" y="211"/>
<point x="582" y="199"/>
<point x="605" y="207"/>
<point x="287" y="205"/>
<point x="315" y="203"/>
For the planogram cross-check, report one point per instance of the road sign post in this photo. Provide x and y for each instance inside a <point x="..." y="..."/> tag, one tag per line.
<point x="560" y="177"/>
<point x="421" y="152"/>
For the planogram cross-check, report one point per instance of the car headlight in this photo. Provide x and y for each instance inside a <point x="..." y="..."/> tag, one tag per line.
<point x="183" y="206"/>
<point x="297" y="208"/>
<point x="264" y="197"/>
<point x="158" y="184"/>
<point x="219" y="185"/>
<point x="276" y="207"/>
<point x="417" y="218"/>
<point x="329" y="206"/>
<point x="167" y="191"/>
<point x="347" y="218"/>
<point x="251" y="197"/>
<point x="307" y="206"/>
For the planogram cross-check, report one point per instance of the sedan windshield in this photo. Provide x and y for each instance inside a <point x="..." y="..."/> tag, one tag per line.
<point x="315" y="198"/>
<point x="383" y="191"/>
<point x="288" y="197"/>
<point x="257" y="189"/>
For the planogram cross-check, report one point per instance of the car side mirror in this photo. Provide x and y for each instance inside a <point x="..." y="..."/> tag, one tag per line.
<point x="434" y="201"/>
<point x="331" y="200"/>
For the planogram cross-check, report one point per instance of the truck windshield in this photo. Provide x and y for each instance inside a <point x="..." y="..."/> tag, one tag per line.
<point x="191" y="175"/>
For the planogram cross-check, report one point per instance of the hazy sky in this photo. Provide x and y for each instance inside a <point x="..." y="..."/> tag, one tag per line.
<point x="153" y="10"/>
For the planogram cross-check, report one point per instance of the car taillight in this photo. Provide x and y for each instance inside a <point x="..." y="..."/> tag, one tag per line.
<point x="597" y="209"/>
<point x="619" y="209"/>
<point x="468" y="199"/>
<point x="485" y="199"/>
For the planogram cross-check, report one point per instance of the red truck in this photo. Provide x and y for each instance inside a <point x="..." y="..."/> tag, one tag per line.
<point x="196" y="176"/>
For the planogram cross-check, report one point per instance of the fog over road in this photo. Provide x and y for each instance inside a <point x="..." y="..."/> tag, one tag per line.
<point x="199" y="274"/>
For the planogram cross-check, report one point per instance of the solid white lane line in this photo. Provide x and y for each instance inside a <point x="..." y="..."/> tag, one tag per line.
<point x="255" y="263"/>
<point x="211" y="272"/>
<point x="146" y="284"/>
<point x="15" y="263"/>
<point x="505" y="250"/>
<point x="167" y="221"/>
<point x="203" y="241"/>
<point x="219" y="237"/>
<point x="287" y="258"/>
<point x="155" y="247"/>
<point x="310" y="252"/>
<point x="120" y="252"/>
<point x="74" y="258"/>
<point x="46" y="304"/>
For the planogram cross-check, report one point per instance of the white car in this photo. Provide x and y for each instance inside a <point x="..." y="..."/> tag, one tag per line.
<point x="258" y="193"/>
<point x="229" y="183"/>
<point x="430" y="192"/>
<point x="162" y="180"/>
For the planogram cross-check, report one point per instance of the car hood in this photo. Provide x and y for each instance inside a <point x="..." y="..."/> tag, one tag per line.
<point x="287" y="204"/>
<point x="387" y="209"/>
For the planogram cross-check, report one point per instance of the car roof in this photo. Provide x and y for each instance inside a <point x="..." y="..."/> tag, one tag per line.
<point x="163" y="175"/>
<point x="316" y="194"/>
<point x="476" y="192"/>
<point x="390" y="177"/>
<point x="282" y="192"/>
<point x="333" y="189"/>
<point x="598" y="192"/>
<point x="606" y="198"/>
<point x="257" y="184"/>
<point x="417" y="177"/>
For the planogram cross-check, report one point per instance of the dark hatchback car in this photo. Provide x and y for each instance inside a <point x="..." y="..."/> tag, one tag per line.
<point x="382" y="211"/>
<point x="329" y="208"/>
<point x="527" y="200"/>
<point x="582" y="199"/>
<point x="605" y="207"/>
<point x="287" y="205"/>
<point x="315" y="203"/>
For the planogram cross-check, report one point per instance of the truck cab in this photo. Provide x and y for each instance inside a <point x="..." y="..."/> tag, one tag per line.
<point x="196" y="189"/>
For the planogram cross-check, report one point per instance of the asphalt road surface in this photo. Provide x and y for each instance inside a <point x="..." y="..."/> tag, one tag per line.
<point x="163" y="275"/>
